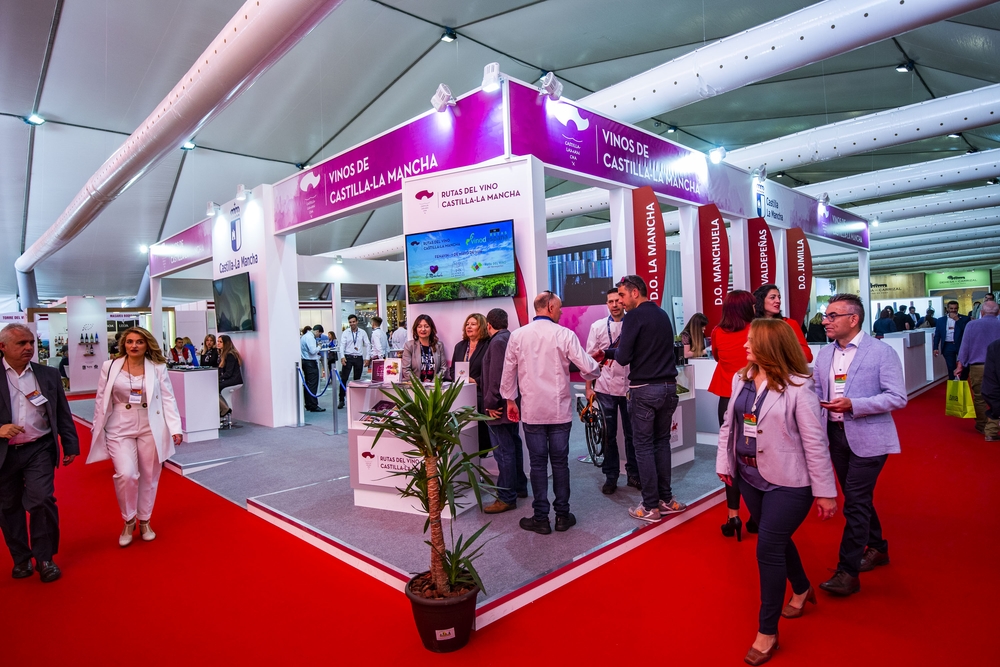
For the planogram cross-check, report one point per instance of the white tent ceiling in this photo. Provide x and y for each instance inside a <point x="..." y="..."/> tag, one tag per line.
<point x="373" y="64"/>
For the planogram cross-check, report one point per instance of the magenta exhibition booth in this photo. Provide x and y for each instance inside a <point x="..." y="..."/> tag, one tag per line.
<point x="475" y="168"/>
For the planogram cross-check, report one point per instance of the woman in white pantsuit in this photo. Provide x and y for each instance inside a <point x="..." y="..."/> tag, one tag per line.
<point x="136" y="425"/>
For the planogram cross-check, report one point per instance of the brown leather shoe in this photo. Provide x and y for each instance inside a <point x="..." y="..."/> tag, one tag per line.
<point x="873" y="558"/>
<point x="794" y="612"/>
<point x="841" y="583"/>
<point x="755" y="657"/>
<point x="498" y="506"/>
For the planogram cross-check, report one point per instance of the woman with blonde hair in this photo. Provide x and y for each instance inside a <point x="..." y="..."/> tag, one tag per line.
<point x="230" y="370"/>
<point x="209" y="352"/>
<point x="773" y="447"/>
<point x="136" y="425"/>
<point x="471" y="350"/>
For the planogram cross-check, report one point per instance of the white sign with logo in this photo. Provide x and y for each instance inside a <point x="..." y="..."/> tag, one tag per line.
<point x="237" y="239"/>
<point x="377" y="465"/>
<point x="12" y="318"/>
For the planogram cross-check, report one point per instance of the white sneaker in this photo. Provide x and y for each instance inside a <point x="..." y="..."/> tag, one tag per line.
<point x="125" y="538"/>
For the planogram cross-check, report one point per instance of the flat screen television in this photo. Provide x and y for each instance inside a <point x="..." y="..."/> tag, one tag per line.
<point x="471" y="262"/>
<point x="234" y="310"/>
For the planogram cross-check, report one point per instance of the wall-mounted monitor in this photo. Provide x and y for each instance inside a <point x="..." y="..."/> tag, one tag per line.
<point x="234" y="310"/>
<point x="472" y="262"/>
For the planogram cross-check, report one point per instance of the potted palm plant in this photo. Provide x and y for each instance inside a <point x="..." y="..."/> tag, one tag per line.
<point x="444" y="597"/>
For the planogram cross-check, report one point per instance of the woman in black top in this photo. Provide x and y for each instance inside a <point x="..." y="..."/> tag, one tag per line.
<point x="209" y="353"/>
<point x="230" y="373"/>
<point x="472" y="349"/>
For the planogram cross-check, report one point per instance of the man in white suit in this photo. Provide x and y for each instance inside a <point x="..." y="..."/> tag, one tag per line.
<point x="859" y="381"/>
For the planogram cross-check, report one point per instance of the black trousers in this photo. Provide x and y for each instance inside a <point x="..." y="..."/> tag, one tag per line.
<point x="310" y="369"/>
<point x="732" y="492"/>
<point x="355" y="362"/>
<point x="27" y="485"/>
<point x="857" y="476"/>
<point x="779" y="513"/>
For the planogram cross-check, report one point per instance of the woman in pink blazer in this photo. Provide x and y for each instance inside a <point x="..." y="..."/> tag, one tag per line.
<point x="136" y="425"/>
<point x="774" y="447"/>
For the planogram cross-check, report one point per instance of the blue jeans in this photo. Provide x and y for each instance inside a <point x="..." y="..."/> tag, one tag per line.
<point x="652" y="409"/>
<point x="610" y="406"/>
<point x="548" y="443"/>
<point x="779" y="512"/>
<point x="510" y="460"/>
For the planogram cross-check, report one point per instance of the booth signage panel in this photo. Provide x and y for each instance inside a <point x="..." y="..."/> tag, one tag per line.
<point x="466" y="134"/>
<point x="783" y="207"/>
<point x="760" y="253"/>
<point x="186" y="248"/>
<point x="564" y="135"/>
<point x="87" y="339"/>
<point x="958" y="278"/>
<point x="800" y="277"/>
<point x="13" y="318"/>
<point x="380" y="462"/>
<point x="237" y="239"/>
<point x="714" y="263"/>
<point x="650" y="241"/>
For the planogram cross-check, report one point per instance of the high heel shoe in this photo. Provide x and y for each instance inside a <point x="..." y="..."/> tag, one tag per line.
<point x="794" y="612"/>
<point x="755" y="657"/>
<point x="146" y="532"/>
<point x="751" y="526"/>
<point x="733" y="526"/>
<point x="125" y="538"/>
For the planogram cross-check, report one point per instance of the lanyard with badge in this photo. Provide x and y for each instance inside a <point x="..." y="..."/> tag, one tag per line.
<point x="613" y="343"/>
<point x="750" y="418"/>
<point x="840" y="376"/>
<point x="135" y="393"/>
<point x="35" y="396"/>
<point x="354" y="336"/>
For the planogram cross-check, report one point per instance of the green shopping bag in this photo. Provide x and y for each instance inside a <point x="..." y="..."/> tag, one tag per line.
<point x="960" y="400"/>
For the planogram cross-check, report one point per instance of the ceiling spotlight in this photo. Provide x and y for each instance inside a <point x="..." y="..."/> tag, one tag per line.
<point x="972" y="150"/>
<point x="340" y="259"/>
<point x="875" y="222"/>
<point x="992" y="181"/>
<point x="144" y="249"/>
<point x="551" y="86"/>
<point x="759" y="174"/>
<point x="442" y="98"/>
<point x="212" y="209"/>
<point x="903" y="68"/>
<point x="241" y="193"/>
<point x="33" y="119"/>
<point x="823" y="203"/>
<point x="671" y="129"/>
<point x="954" y="135"/>
<point x="779" y="175"/>
<point x="188" y="146"/>
<point x="491" y="77"/>
<point x="449" y="35"/>
<point x="717" y="155"/>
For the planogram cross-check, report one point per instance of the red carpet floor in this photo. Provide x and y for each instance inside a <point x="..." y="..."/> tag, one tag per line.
<point x="221" y="587"/>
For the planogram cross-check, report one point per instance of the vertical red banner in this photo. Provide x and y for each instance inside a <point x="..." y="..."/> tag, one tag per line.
<point x="650" y="242"/>
<point x="760" y="253"/>
<point x="800" y="273"/>
<point x="714" y="263"/>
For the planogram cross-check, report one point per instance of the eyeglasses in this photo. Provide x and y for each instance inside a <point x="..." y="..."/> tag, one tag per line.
<point x="630" y="280"/>
<point x="833" y="316"/>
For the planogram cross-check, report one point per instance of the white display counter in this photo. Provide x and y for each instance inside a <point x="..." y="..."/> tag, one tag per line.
<point x="911" y="347"/>
<point x="372" y="467"/>
<point x="197" y="394"/>
<point x="683" y="435"/>
<point x="706" y="406"/>
<point x="937" y="369"/>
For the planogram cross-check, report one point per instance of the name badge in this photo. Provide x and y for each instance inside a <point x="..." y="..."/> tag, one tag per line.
<point x="135" y="396"/>
<point x="839" y="382"/>
<point x="36" y="398"/>
<point x="749" y="425"/>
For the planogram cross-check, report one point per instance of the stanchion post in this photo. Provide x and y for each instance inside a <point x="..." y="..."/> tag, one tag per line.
<point x="299" y="421"/>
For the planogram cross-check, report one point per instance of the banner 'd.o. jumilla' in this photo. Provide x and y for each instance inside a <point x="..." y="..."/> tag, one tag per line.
<point x="714" y="264"/>
<point x="760" y="253"/>
<point x="650" y="242"/>
<point x="800" y="276"/>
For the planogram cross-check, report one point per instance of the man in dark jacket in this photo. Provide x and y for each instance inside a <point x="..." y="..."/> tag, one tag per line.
<point x="991" y="380"/>
<point x="903" y="321"/>
<point x="948" y="336"/>
<point x="512" y="483"/>
<point x="34" y="420"/>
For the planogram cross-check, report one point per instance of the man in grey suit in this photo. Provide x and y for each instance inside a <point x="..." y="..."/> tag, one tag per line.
<point x="33" y="411"/>
<point x="859" y="381"/>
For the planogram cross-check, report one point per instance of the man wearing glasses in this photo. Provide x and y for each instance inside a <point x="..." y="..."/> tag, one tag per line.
<point x="859" y="381"/>
<point x="646" y="346"/>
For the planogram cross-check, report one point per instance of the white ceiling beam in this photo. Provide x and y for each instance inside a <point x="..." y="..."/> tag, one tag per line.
<point x="809" y="35"/>
<point x="941" y="260"/>
<point x="939" y="202"/>
<point x="260" y="33"/>
<point x="945" y="222"/>
<point x="911" y="177"/>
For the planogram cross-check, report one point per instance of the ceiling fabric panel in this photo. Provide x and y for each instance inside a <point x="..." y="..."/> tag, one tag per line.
<point x="13" y="158"/>
<point x="383" y="223"/>
<point x="24" y="32"/>
<point x="457" y="14"/>
<point x="956" y="48"/>
<point x="213" y="176"/>
<point x="331" y="236"/>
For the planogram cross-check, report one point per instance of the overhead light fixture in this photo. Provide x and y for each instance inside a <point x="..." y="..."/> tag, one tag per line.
<point x="759" y="174"/>
<point x="34" y="119"/>
<point x="212" y="209"/>
<point x="780" y="174"/>
<point x="442" y="98"/>
<point x="954" y="135"/>
<point x="550" y="86"/>
<point x="671" y="129"/>
<point x="188" y="145"/>
<point x="875" y="222"/>
<point x="992" y="181"/>
<point x="903" y="68"/>
<point x="491" y="77"/>
<point x="241" y="193"/>
<point x="144" y="249"/>
<point x="717" y="155"/>
<point x="340" y="259"/>
<point x="972" y="150"/>
<point x="449" y="35"/>
<point x="823" y="203"/>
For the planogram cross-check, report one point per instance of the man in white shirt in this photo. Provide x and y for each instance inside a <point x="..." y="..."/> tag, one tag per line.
<point x="310" y="366"/>
<point x="380" y="342"/>
<point x="399" y="336"/>
<point x="356" y="350"/>
<point x="610" y="389"/>
<point x="536" y="367"/>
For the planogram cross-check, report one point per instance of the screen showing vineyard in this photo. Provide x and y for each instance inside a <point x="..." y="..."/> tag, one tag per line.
<point x="474" y="262"/>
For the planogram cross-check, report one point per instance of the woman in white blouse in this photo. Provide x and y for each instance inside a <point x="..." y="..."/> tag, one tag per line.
<point x="136" y="425"/>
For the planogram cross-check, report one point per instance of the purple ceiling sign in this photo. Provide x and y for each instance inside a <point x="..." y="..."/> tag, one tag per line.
<point x="183" y="249"/>
<point x="568" y="137"/>
<point x="468" y="133"/>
